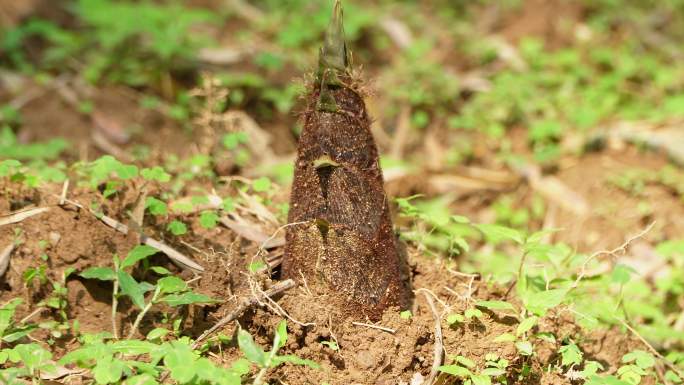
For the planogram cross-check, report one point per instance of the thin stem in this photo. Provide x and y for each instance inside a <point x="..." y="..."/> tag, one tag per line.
<point x="115" y="304"/>
<point x="259" y="379"/>
<point x="143" y="312"/>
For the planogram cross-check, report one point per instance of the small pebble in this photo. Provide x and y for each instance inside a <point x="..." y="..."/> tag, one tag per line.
<point x="54" y="238"/>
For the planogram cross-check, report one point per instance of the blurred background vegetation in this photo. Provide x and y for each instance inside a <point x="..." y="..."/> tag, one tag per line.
<point x="552" y="69"/>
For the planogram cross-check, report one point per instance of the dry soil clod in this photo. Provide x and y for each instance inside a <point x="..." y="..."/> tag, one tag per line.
<point x="346" y="247"/>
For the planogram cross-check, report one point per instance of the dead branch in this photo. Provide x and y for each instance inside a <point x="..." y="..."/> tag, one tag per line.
<point x="257" y="292"/>
<point x="243" y="306"/>
<point x="650" y="347"/>
<point x="5" y="258"/>
<point x="251" y="232"/>
<point x="438" y="355"/>
<point x="378" y="327"/>
<point x="22" y="215"/>
<point x="620" y="249"/>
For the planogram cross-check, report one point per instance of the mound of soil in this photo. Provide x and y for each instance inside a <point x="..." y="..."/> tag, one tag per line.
<point x="395" y="350"/>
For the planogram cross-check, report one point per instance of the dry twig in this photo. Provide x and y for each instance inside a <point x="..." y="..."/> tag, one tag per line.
<point x="620" y="249"/>
<point x="257" y="292"/>
<point x="650" y="347"/>
<point x="243" y="306"/>
<point x="22" y="215"/>
<point x="5" y="258"/>
<point x="378" y="327"/>
<point x="65" y="190"/>
<point x="251" y="232"/>
<point x="438" y="355"/>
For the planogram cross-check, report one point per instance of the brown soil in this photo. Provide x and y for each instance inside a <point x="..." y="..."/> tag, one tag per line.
<point x="76" y="239"/>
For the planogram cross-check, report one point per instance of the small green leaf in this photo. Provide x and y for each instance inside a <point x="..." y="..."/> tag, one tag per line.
<point x="331" y="344"/>
<point x="233" y="139"/>
<point x="473" y="313"/>
<point x="228" y="204"/>
<point x="455" y="318"/>
<point x="525" y="348"/>
<point x="591" y="368"/>
<point x="187" y="299"/>
<point x="131" y="288"/>
<point x="539" y="303"/>
<point x="481" y="379"/>
<point x="155" y="174"/>
<point x="406" y="314"/>
<point x="7" y="314"/>
<point x="133" y="347"/>
<point x="8" y="166"/>
<point x="177" y="228"/>
<point x="125" y="171"/>
<point x="536" y="237"/>
<point x="546" y="336"/>
<point x="621" y="274"/>
<point x="208" y="219"/>
<point x="673" y="377"/>
<point x="253" y="352"/>
<point x="241" y="366"/>
<point x="607" y="380"/>
<point x="108" y="370"/>
<point x="455" y="370"/>
<point x="493" y="372"/>
<point x="180" y="361"/>
<point x="156" y="206"/>
<point x="18" y="333"/>
<point x="497" y="233"/>
<point x="256" y="266"/>
<point x="262" y="184"/>
<point x="160" y="270"/>
<point x="460" y="219"/>
<point x="642" y="359"/>
<point x="101" y="273"/>
<point x="526" y="325"/>
<point x="467" y="362"/>
<point x="182" y="207"/>
<point x="495" y="305"/>
<point x="156" y="334"/>
<point x="171" y="284"/>
<point x="281" y="334"/>
<point x="506" y="337"/>
<point x="140" y="252"/>
<point x="570" y="355"/>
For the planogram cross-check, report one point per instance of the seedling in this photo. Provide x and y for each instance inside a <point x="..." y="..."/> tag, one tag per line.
<point x="269" y="360"/>
<point x="113" y="361"/>
<point x="10" y="331"/>
<point x="169" y="290"/>
<point x="29" y="360"/>
<point x="57" y="300"/>
<point x="467" y="370"/>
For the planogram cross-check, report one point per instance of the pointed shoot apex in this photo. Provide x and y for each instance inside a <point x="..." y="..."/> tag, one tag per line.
<point x="334" y="51"/>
